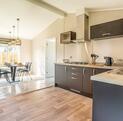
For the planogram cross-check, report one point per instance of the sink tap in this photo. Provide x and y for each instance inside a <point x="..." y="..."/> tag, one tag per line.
<point x="94" y="57"/>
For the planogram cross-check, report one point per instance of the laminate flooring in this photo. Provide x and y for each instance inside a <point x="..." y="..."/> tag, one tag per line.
<point x="50" y="104"/>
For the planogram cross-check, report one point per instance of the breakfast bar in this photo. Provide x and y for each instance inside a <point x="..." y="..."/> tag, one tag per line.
<point x="108" y="96"/>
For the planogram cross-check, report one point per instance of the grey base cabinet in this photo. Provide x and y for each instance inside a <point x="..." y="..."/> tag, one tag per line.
<point x="87" y="83"/>
<point x="76" y="79"/>
<point x="100" y="70"/>
<point x="60" y="76"/>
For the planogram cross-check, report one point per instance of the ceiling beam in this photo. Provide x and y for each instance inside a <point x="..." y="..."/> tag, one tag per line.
<point x="49" y="7"/>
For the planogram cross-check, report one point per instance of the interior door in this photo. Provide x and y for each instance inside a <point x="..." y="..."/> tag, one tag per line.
<point x="50" y="57"/>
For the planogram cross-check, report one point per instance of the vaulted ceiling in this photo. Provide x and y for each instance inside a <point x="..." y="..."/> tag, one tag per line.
<point x="35" y="19"/>
<point x="74" y="5"/>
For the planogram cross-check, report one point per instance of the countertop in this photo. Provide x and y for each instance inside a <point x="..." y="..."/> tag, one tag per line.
<point x="89" y="65"/>
<point x="110" y="77"/>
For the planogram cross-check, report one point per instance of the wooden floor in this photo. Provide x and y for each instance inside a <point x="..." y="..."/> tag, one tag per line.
<point x="51" y="104"/>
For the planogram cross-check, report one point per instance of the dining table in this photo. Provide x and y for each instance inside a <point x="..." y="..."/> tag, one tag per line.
<point x="13" y="71"/>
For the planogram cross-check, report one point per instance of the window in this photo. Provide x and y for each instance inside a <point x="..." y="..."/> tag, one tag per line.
<point x="10" y="54"/>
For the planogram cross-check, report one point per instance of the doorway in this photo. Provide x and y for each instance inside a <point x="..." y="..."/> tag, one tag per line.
<point x="50" y="57"/>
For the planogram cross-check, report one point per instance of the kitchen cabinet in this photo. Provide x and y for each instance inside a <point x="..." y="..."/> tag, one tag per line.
<point x="107" y="30"/>
<point x="60" y="76"/>
<point x="100" y="70"/>
<point x="87" y="83"/>
<point x="97" y="31"/>
<point x="74" y="79"/>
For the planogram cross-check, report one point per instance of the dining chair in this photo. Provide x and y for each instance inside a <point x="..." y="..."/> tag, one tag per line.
<point x="5" y="73"/>
<point x="7" y="64"/>
<point x="26" y="70"/>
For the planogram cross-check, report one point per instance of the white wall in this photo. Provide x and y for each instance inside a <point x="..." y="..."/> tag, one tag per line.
<point x="38" y="46"/>
<point x="26" y="51"/>
<point x="108" y="47"/>
<point x="77" y="51"/>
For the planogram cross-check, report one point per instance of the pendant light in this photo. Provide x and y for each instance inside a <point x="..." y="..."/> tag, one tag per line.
<point x="10" y="38"/>
<point x="14" y="35"/>
<point x="18" y="41"/>
<point x="13" y="40"/>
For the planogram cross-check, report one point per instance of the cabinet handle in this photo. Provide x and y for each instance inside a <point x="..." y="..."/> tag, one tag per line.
<point x="73" y="78"/>
<point x="83" y="71"/>
<point x="73" y="68"/>
<point x="74" y="90"/>
<point x="93" y="71"/>
<point x="106" y="34"/>
<point x="65" y="69"/>
<point x="74" y="74"/>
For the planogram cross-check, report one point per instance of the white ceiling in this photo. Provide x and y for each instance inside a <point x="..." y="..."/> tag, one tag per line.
<point x="35" y="19"/>
<point x="74" y="5"/>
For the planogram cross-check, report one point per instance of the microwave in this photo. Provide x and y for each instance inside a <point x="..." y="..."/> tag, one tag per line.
<point x="67" y="37"/>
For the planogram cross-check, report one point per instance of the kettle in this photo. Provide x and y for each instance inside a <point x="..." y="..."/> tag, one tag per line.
<point x="108" y="61"/>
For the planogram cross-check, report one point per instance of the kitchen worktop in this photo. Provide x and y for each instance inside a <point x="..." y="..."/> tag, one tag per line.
<point x="89" y="65"/>
<point x="111" y="77"/>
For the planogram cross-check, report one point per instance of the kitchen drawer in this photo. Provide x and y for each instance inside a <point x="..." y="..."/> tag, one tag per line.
<point x="75" y="84"/>
<point x="75" y="69"/>
<point x="74" y="78"/>
<point x="74" y="74"/>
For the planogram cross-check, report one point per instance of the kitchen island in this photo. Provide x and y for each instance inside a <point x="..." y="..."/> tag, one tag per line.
<point x="108" y="96"/>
